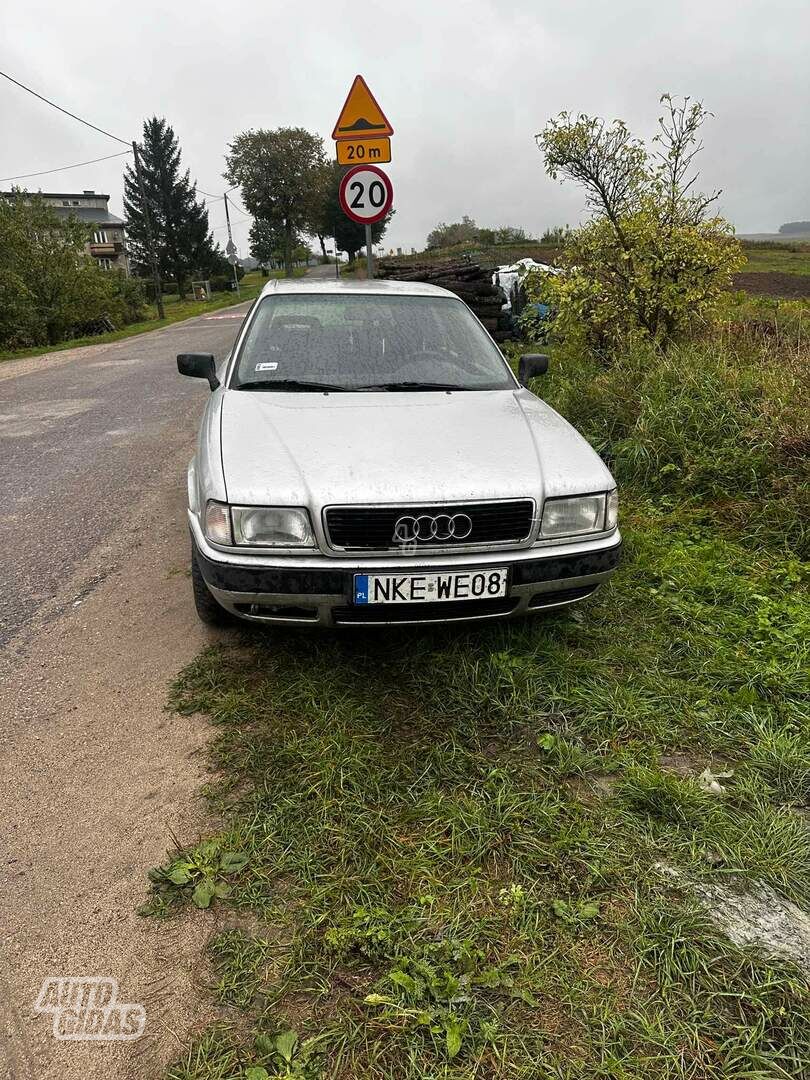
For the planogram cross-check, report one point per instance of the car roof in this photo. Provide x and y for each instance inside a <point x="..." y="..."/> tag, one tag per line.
<point x="370" y="288"/>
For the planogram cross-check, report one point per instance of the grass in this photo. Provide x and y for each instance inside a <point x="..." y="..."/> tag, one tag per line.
<point x="721" y="425"/>
<point x="468" y="854"/>
<point x="774" y="259"/>
<point x="176" y="310"/>
<point x="450" y="839"/>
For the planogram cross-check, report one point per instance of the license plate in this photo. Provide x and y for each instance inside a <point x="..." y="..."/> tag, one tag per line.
<point x="429" y="588"/>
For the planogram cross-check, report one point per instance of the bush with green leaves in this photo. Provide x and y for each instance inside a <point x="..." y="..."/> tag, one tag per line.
<point x="722" y="421"/>
<point x="654" y="260"/>
<point x="49" y="288"/>
<point x="130" y="297"/>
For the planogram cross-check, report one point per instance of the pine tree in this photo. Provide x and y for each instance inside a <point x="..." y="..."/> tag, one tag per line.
<point x="184" y="242"/>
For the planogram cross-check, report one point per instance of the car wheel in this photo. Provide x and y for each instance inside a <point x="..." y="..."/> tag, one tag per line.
<point x="208" y="609"/>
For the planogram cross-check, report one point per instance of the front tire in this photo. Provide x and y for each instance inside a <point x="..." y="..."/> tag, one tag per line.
<point x="209" y="611"/>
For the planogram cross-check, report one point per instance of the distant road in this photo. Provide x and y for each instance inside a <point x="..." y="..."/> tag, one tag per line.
<point x="327" y="271"/>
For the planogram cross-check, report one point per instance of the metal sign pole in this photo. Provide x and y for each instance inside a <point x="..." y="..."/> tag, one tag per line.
<point x="369" y="256"/>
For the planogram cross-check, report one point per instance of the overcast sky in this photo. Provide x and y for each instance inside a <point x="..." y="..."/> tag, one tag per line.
<point x="465" y="83"/>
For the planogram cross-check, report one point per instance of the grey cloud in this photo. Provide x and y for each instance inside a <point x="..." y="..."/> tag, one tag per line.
<point x="466" y="85"/>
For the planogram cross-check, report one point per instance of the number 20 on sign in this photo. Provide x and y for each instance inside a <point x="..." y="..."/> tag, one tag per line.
<point x="366" y="194"/>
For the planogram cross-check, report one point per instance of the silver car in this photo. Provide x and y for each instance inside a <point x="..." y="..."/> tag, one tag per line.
<point x="367" y="456"/>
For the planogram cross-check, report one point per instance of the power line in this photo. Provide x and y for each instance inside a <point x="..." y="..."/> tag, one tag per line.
<point x="225" y="226"/>
<point x="67" y="112"/>
<point x="64" y="168"/>
<point x="217" y="198"/>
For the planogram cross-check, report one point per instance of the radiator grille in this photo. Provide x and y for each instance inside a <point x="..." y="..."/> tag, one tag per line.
<point x="372" y="528"/>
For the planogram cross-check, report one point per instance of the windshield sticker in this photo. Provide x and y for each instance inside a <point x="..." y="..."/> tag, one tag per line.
<point x="266" y="367"/>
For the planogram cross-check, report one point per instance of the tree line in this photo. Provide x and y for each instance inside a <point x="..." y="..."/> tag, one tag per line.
<point x="286" y="183"/>
<point x="51" y="290"/>
<point x="447" y="234"/>
<point x="291" y="188"/>
<point x="653" y="259"/>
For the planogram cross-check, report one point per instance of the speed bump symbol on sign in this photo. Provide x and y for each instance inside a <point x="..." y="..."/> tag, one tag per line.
<point x="366" y="194"/>
<point x="361" y="117"/>
<point x="355" y="151"/>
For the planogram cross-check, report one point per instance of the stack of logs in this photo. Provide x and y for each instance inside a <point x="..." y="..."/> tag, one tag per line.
<point x="469" y="280"/>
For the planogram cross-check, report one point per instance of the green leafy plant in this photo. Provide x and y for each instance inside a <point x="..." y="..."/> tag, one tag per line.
<point x="199" y="874"/>
<point x="575" y="912"/>
<point x="653" y="262"/>
<point x="50" y="290"/>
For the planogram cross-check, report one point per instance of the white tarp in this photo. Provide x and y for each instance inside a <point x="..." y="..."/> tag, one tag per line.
<point x="508" y="276"/>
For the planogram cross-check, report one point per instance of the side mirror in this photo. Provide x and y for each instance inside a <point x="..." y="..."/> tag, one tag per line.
<point x="200" y="365"/>
<point x="531" y="365"/>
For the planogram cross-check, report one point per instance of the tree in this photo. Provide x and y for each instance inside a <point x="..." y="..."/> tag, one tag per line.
<point x="179" y="223"/>
<point x="278" y="174"/>
<point x="653" y="260"/>
<point x="505" y="234"/>
<point x="457" y="232"/>
<point x="329" y="219"/>
<point x="49" y="287"/>
<point x="556" y="234"/>
<point x="319" y="225"/>
<point x="795" y="228"/>
<point x="267" y="242"/>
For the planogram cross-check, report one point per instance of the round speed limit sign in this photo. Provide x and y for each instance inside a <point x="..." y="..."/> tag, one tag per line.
<point x="366" y="194"/>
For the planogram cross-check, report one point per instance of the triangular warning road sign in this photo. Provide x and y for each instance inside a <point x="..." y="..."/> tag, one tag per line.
<point x="361" y="116"/>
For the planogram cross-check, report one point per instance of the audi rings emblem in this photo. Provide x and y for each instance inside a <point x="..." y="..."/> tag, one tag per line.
<point x="408" y="529"/>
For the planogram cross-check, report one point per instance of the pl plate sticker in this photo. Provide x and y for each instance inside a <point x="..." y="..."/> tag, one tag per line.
<point x="266" y="367"/>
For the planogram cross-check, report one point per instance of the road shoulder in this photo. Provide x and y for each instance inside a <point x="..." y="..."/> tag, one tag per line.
<point x="103" y="780"/>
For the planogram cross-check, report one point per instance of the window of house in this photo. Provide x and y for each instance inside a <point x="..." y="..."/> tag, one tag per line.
<point x="99" y="236"/>
<point x="105" y="264"/>
<point x="75" y="202"/>
<point x="65" y="202"/>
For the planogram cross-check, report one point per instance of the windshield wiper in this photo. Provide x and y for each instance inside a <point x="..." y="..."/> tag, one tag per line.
<point x="289" y="384"/>
<point x="412" y="386"/>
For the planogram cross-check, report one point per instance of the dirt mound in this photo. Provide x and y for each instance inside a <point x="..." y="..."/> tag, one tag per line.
<point x="774" y="283"/>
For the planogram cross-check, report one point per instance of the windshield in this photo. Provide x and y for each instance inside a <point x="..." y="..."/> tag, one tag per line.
<point x="345" y="341"/>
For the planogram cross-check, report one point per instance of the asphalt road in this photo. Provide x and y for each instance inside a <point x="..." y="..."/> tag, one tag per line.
<point x="83" y="434"/>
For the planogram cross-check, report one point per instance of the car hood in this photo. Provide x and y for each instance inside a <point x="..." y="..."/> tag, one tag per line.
<point x="316" y="450"/>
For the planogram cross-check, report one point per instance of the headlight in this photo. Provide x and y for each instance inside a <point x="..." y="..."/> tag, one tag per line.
<point x="218" y="523"/>
<point x="569" y="517"/>
<point x="271" y="526"/>
<point x="612" y="510"/>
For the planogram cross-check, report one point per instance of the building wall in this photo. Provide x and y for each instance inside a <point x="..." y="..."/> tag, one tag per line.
<point x="93" y="202"/>
<point x="108" y="249"/>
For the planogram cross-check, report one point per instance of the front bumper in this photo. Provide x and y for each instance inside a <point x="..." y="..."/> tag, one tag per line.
<point x="317" y="590"/>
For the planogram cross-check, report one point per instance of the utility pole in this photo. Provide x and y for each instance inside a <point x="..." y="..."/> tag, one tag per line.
<point x="231" y="247"/>
<point x="150" y="236"/>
